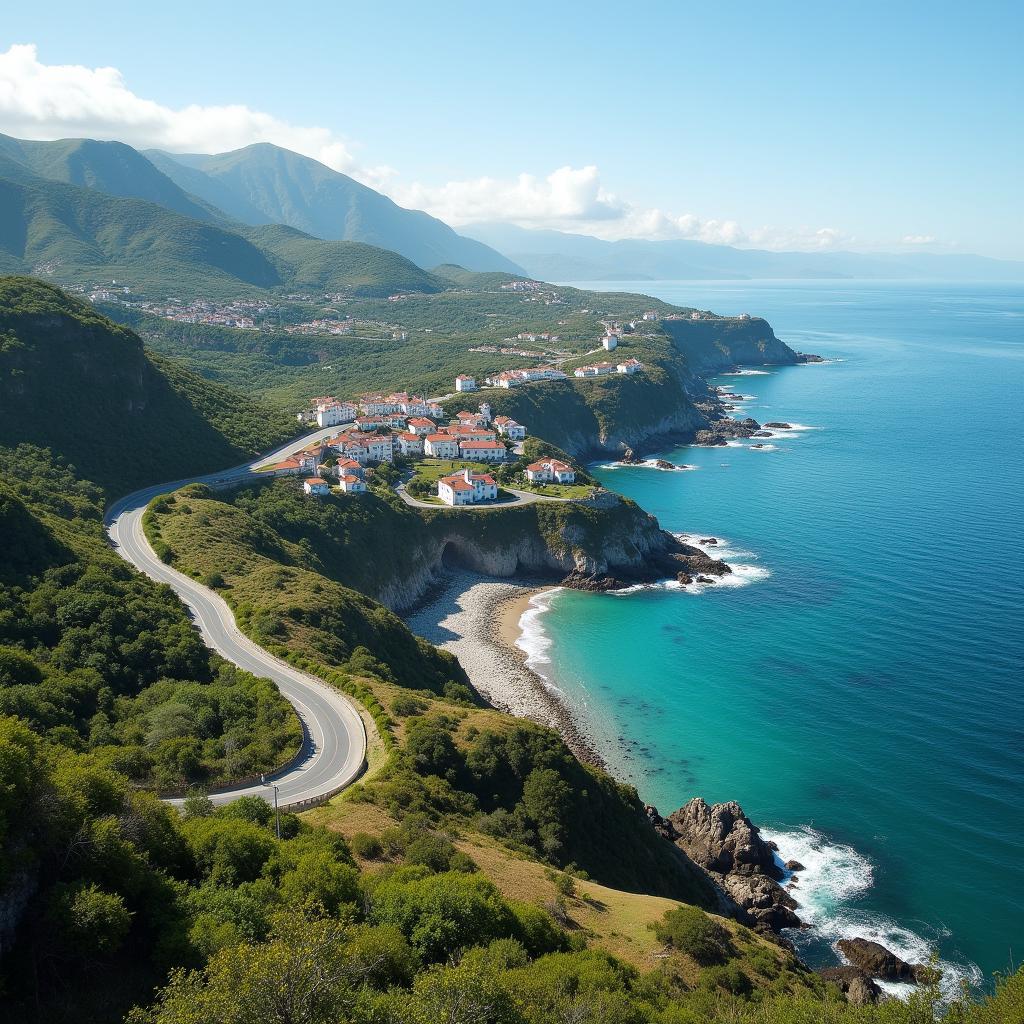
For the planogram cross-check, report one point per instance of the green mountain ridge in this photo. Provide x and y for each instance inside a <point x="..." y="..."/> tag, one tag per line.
<point x="79" y="235"/>
<point x="109" y="167"/>
<point x="263" y="183"/>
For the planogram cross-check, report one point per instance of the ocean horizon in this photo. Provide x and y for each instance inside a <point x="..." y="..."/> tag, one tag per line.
<point x="857" y="684"/>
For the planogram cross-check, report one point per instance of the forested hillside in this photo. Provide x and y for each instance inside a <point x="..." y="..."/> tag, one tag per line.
<point x="83" y="387"/>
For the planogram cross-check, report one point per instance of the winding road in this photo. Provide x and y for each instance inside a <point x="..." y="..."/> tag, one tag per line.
<point x="334" y="739"/>
<point x="333" y="750"/>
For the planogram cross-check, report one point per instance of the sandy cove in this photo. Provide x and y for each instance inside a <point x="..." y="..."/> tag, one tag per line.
<point x="476" y="618"/>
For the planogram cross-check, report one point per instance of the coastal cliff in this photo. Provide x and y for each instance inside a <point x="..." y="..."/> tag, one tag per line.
<point x="669" y="400"/>
<point x="605" y="543"/>
<point x="714" y="344"/>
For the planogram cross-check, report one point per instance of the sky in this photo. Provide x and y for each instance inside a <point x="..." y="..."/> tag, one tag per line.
<point x="871" y="126"/>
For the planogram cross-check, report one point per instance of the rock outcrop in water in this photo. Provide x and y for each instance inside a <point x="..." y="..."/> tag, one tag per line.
<point x="728" y="845"/>
<point x="875" y="960"/>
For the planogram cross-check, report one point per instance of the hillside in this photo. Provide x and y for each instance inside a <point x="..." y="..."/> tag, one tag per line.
<point x="86" y="237"/>
<point x="83" y="387"/>
<point x="110" y="167"/>
<point x="266" y="184"/>
<point x="563" y="256"/>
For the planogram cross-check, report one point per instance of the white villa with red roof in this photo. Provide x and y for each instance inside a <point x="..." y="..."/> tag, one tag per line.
<point x="441" y="446"/>
<point x="550" y="471"/>
<point x="465" y="383"/>
<point x="314" y="485"/>
<point x="349" y="483"/>
<point x="467" y="488"/>
<point x="595" y="370"/>
<point x="409" y="443"/>
<point x="507" y="427"/>
<point x="421" y="425"/>
<point x="482" y="451"/>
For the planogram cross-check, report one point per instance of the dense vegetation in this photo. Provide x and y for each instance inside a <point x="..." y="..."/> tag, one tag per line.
<point x="73" y="382"/>
<point x="96" y="658"/>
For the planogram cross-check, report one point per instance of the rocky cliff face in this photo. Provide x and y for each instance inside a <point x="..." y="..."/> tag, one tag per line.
<point x="601" y="544"/>
<point x="713" y="345"/>
<point x="728" y="845"/>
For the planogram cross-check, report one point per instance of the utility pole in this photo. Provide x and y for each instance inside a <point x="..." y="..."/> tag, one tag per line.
<point x="277" y="812"/>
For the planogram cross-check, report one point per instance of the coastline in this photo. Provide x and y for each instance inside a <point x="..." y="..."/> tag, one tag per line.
<point x="477" y="618"/>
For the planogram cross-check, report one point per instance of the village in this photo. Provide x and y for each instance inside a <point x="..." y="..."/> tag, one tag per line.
<point x="377" y="430"/>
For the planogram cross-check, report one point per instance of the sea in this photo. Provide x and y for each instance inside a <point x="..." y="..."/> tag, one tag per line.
<point x="857" y="683"/>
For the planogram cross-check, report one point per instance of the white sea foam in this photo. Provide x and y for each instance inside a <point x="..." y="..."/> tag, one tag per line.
<point x="648" y="464"/>
<point x="533" y="640"/>
<point x="746" y="372"/>
<point x="835" y="875"/>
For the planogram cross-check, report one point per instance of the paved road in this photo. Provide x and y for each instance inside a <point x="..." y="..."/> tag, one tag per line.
<point x="334" y="740"/>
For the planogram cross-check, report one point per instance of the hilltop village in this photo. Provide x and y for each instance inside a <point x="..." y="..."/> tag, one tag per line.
<point x="377" y="430"/>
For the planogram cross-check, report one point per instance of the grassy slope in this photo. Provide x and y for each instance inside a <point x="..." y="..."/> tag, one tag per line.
<point x="72" y="381"/>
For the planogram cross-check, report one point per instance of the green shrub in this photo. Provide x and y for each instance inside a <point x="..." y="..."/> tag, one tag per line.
<point x="366" y="846"/>
<point x="693" y="932"/>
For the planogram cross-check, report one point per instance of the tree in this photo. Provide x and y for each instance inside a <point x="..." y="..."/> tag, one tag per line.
<point x="90" y="920"/>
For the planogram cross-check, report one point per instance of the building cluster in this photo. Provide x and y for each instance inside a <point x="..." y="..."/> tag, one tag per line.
<point x="515" y="378"/>
<point x="321" y="327"/>
<point x="603" y="369"/>
<point x="378" y="428"/>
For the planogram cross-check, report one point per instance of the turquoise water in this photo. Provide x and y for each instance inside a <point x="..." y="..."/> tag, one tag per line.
<point x="859" y="687"/>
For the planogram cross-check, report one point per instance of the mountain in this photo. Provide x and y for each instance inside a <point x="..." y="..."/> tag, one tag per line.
<point x="110" y="167"/>
<point x="263" y="184"/>
<point x="561" y="256"/>
<point x="84" y="236"/>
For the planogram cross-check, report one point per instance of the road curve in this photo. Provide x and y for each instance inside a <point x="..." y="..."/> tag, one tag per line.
<point x="334" y="740"/>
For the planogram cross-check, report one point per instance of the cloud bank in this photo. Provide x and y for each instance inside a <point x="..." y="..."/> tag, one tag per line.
<point x="49" y="101"/>
<point x="52" y="101"/>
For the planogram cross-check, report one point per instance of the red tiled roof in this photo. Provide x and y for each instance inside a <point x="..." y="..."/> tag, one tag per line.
<point x="481" y="444"/>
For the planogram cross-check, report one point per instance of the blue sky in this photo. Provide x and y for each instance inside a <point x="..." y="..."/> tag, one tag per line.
<point x="782" y="125"/>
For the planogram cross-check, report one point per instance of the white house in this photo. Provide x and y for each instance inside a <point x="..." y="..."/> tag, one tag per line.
<point x="465" y="383"/>
<point x="351" y="484"/>
<point x="314" y="485"/>
<point x="347" y="467"/>
<point x="466" y="432"/>
<point x="485" y="411"/>
<point x="650" y="315"/>
<point x="466" y="488"/>
<point x="609" y="342"/>
<point x="508" y="427"/>
<point x="421" y="425"/>
<point x="409" y="443"/>
<point x="596" y="370"/>
<point x="380" y="448"/>
<point x="550" y="471"/>
<point x="469" y="419"/>
<point x="330" y="415"/>
<point x="366" y="423"/>
<point x="441" y="446"/>
<point x="630" y="366"/>
<point x="482" y="451"/>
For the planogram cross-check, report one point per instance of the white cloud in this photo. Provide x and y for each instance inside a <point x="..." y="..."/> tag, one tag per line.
<point x="574" y="199"/>
<point x="918" y="239"/>
<point x="48" y="101"/>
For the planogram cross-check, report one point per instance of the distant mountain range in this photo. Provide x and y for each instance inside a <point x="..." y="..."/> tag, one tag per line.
<point x="559" y="256"/>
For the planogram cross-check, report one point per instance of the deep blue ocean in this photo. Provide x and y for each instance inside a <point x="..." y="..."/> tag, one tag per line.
<point x="859" y="685"/>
